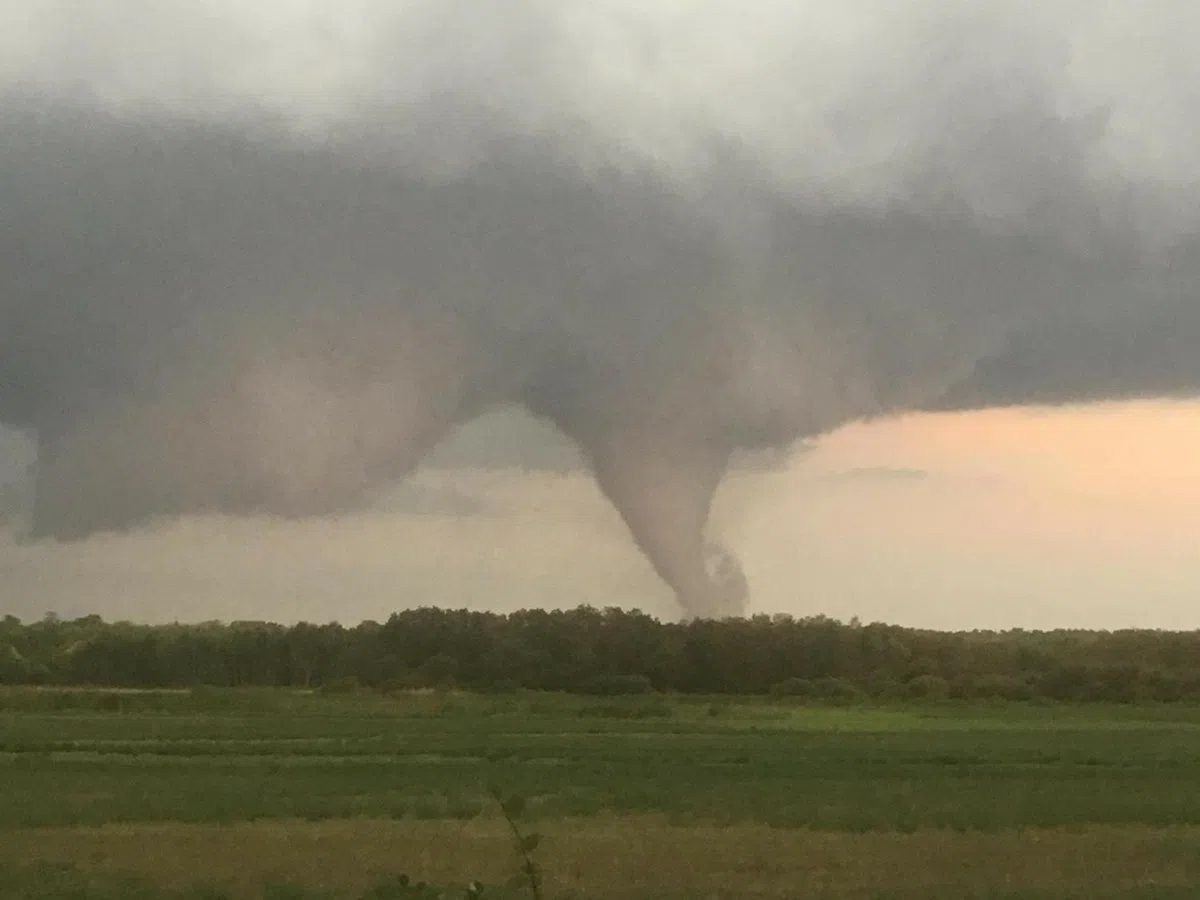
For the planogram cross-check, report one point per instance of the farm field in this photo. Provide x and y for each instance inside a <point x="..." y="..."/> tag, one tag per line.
<point x="255" y="793"/>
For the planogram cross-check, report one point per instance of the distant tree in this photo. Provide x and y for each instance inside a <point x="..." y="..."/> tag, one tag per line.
<point x="590" y="650"/>
<point x="313" y="652"/>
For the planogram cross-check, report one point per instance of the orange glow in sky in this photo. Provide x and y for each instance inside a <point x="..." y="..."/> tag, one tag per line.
<point x="1079" y="517"/>
<point x="1142" y="455"/>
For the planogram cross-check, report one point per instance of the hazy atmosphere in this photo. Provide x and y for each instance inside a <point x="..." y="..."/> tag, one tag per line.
<point x="1084" y="518"/>
<point x="938" y="260"/>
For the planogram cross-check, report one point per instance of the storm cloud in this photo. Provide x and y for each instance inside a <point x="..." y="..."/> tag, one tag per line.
<point x="263" y="259"/>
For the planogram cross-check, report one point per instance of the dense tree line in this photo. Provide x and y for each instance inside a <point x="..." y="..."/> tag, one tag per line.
<point x="610" y="651"/>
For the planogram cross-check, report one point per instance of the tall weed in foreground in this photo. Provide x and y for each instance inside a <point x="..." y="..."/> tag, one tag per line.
<point x="531" y="873"/>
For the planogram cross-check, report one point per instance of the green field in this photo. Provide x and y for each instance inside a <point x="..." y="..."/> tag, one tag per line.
<point x="223" y="793"/>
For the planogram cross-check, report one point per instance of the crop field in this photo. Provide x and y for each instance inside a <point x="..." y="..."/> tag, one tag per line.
<point x="286" y="794"/>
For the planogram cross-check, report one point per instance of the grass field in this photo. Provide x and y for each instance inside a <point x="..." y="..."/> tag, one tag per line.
<point x="214" y="794"/>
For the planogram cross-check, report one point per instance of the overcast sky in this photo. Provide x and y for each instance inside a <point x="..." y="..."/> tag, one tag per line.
<point x="873" y="209"/>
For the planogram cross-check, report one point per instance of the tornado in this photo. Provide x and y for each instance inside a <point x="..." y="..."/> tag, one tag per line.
<point x="264" y="262"/>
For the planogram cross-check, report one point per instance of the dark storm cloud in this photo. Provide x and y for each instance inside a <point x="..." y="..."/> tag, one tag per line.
<point x="1149" y="349"/>
<point x="263" y="258"/>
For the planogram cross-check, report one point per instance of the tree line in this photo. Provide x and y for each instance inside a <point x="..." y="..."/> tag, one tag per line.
<point x="611" y="651"/>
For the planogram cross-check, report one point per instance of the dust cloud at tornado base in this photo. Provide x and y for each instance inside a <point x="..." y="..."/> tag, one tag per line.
<point x="262" y="262"/>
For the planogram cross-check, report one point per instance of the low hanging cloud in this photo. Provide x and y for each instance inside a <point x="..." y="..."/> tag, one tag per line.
<point x="264" y="258"/>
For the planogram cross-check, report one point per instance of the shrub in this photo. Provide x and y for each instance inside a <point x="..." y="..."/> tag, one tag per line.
<point x="927" y="687"/>
<point x="998" y="687"/>
<point x="345" y="684"/>
<point x="398" y="684"/>
<point x="440" y="670"/>
<point x="794" y="687"/>
<point x="838" y="690"/>
<point x="618" y="685"/>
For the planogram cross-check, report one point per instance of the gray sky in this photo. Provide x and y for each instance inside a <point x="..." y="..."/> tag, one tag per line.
<point x="848" y="210"/>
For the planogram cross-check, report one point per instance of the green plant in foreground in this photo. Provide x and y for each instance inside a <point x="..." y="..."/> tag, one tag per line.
<point x="528" y="878"/>
<point x="531" y="873"/>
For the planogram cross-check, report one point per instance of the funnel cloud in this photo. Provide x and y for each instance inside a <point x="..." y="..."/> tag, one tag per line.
<point x="263" y="261"/>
